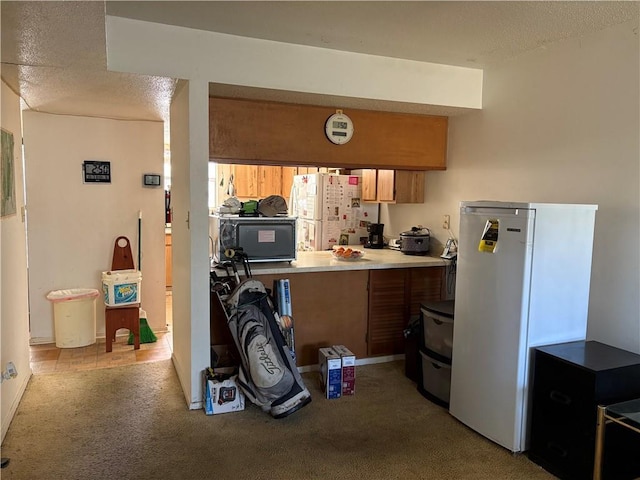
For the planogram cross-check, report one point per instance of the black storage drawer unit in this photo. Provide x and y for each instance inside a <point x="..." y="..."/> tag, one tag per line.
<point x="569" y="381"/>
<point x="436" y="320"/>
<point x="434" y="382"/>
<point x="436" y="342"/>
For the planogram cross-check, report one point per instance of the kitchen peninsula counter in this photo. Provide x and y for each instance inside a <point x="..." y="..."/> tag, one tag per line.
<point x="363" y="304"/>
<point x="323" y="261"/>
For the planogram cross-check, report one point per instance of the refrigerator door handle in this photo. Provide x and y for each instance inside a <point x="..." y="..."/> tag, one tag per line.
<point x="492" y="211"/>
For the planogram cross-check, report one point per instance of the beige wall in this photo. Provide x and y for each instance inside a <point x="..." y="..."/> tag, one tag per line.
<point x="558" y="125"/>
<point x="72" y="226"/>
<point x="14" y="306"/>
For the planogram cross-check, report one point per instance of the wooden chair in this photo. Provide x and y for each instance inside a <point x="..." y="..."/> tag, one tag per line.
<point x="127" y="316"/>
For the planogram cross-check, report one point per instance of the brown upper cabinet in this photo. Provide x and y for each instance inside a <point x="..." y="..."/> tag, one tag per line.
<point x="268" y="133"/>
<point x="254" y="182"/>
<point x="392" y="186"/>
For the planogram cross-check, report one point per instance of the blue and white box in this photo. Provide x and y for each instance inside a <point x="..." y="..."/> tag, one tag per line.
<point x="330" y="372"/>
<point x="222" y="396"/>
<point x="121" y="287"/>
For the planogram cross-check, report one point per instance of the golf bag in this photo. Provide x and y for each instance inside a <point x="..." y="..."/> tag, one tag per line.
<point x="268" y="374"/>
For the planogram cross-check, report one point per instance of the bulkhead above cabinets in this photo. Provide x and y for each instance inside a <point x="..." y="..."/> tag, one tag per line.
<point x="256" y="132"/>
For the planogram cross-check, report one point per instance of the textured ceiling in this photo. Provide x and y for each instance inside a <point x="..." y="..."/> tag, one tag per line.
<point x="54" y="54"/>
<point x="470" y="34"/>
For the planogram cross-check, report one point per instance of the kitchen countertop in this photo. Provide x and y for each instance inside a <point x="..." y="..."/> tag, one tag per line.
<point x="323" y="261"/>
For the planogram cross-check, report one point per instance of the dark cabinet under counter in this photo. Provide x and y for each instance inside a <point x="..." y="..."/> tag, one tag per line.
<point x="569" y="381"/>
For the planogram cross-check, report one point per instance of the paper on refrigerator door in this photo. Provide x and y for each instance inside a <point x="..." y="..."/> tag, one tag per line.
<point x="489" y="240"/>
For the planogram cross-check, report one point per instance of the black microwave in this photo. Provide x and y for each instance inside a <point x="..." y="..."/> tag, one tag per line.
<point x="262" y="239"/>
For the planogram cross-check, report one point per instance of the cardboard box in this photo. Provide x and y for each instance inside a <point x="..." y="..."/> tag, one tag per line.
<point x="330" y="372"/>
<point x="222" y="396"/>
<point x="348" y="369"/>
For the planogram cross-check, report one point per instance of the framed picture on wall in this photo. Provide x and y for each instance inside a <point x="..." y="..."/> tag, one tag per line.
<point x="7" y="175"/>
<point x="96" y="171"/>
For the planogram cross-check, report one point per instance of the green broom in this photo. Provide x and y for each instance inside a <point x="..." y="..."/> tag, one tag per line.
<point x="146" y="334"/>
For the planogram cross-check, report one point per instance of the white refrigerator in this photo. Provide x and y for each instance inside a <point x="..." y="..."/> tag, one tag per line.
<point x="523" y="277"/>
<point x="330" y="210"/>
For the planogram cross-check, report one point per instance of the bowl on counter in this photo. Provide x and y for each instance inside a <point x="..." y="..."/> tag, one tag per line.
<point x="347" y="254"/>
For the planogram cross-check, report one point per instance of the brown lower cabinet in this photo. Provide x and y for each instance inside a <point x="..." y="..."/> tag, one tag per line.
<point x="365" y="310"/>
<point x="328" y="308"/>
<point x="395" y="296"/>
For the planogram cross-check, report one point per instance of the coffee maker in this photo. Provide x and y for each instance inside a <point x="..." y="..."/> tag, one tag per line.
<point x="376" y="239"/>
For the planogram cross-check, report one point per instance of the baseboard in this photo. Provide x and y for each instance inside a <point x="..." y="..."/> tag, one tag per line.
<point x="6" y="421"/>
<point x="359" y="361"/>
<point x="99" y="336"/>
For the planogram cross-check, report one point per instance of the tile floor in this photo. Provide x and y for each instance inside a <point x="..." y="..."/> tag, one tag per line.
<point x="48" y="358"/>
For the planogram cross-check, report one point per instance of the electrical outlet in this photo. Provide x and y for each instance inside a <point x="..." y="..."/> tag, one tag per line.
<point x="9" y="373"/>
<point x="11" y="370"/>
<point x="445" y="222"/>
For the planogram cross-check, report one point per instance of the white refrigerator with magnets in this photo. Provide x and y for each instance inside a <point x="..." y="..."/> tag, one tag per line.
<point x="330" y="211"/>
<point x="523" y="278"/>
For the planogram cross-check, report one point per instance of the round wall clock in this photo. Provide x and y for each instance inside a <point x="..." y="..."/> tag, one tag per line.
<point x="339" y="128"/>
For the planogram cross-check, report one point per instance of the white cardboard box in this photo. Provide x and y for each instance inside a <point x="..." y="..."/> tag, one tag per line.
<point x="348" y="369"/>
<point x="121" y="287"/>
<point x="222" y="396"/>
<point x="330" y="372"/>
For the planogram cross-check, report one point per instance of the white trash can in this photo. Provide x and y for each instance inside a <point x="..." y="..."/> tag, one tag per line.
<point x="74" y="315"/>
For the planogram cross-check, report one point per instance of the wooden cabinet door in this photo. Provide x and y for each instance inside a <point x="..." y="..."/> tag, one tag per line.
<point x="329" y="308"/>
<point x="386" y="186"/>
<point x="394" y="298"/>
<point x="409" y="186"/>
<point x="369" y="185"/>
<point x="246" y="181"/>
<point x="387" y="311"/>
<point x="400" y="186"/>
<point x="426" y="285"/>
<point x="269" y="181"/>
<point x="224" y="174"/>
<point x="287" y="181"/>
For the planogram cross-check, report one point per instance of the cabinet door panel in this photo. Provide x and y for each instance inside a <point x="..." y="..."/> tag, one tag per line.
<point x="386" y="185"/>
<point x="369" y="185"/>
<point x="387" y="312"/>
<point x="426" y="286"/>
<point x="269" y="181"/>
<point x="224" y="172"/>
<point x="409" y="186"/>
<point x="287" y="181"/>
<point x="329" y="308"/>
<point x="246" y="181"/>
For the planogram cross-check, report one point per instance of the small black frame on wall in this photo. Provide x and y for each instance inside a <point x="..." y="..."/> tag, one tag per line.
<point x="151" y="180"/>
<point x="96" y="171"/>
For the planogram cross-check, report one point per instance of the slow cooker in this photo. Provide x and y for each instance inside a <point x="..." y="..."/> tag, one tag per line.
<point x="415" y="241"/>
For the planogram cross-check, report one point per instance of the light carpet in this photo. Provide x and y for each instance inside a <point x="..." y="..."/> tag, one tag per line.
<point x="132" y="423"/>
